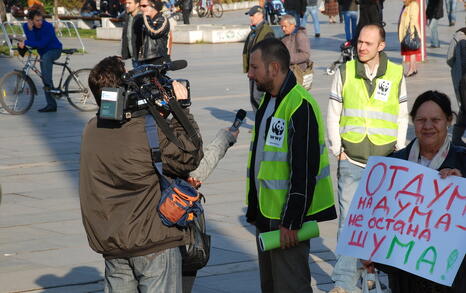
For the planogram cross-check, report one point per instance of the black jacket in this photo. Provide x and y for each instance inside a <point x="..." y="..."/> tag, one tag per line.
<point x="434" y="9"/>
<point x="296" y="5"/>
<point x="124" y="39"/>
<point x="304" y="166"/>
<point x="151" y="40"/>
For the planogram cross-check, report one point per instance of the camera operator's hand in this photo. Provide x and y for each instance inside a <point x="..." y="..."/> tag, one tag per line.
<point x="180" y="90"/>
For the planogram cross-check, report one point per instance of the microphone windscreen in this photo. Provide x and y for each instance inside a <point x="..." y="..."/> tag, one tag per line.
<point x="240" y="114"/>
<point x="177" y="65"/>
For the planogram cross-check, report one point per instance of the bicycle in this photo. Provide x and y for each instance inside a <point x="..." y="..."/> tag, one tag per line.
<point x="17" y="89"/>
<point x="211" y="8"/>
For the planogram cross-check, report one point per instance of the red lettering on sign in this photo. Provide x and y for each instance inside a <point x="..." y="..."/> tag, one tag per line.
<point x="418" y="180"/>
<point x="389" y="222"/>
<point x="370" y="193"/>
<point x="416" y="211"/>
<point x="461" y="227"/>
<point x="444" y="220"/>
<point x="399" y="226"/>
<point x="425" y="234"/>
<point x="402" y="208"/>
<point x="361" y="241"/>
<point x="354" y="219"/>
<point x="438" y="194"/>
<point x="377" y="243"/>
<point x="382" y="204"/>
<point x="411" y="231"/>
<point x="364" y="203"/>
<point x="454" y="195"/>
<point x="395" y="171"/>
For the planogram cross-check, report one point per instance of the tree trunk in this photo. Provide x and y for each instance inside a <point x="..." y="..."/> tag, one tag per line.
<point x="2" y="11"/>
<point x="55" y="10"/>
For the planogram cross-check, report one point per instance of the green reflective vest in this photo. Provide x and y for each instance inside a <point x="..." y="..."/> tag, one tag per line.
<point x="274" y="170"/>
<point x="375" y="116"/>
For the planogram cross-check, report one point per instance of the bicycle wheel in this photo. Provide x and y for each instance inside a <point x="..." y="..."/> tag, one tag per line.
<point x="217" y="10"/>
<point x="77" y="91"/>
<point x="17" y="93"/>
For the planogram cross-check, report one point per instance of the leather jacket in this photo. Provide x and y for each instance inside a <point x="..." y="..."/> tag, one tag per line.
<point x="151" y="38"/>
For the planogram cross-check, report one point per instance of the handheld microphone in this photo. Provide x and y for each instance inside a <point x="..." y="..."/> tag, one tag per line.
<point x="240" y="115"/>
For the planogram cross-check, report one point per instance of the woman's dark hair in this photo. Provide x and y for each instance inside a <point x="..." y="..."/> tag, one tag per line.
<point x="33" y="13"/>
<point x="107" y="73"/>
<point x="441" y="99"/>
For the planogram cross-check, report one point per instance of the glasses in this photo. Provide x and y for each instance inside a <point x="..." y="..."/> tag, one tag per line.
<point x="144" y="6"/>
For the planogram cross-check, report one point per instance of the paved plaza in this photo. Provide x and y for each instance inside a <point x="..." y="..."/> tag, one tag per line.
<point x="43" y="246"/>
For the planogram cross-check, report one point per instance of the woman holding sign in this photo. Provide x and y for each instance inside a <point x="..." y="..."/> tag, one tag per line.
<point x="431" y="115"/>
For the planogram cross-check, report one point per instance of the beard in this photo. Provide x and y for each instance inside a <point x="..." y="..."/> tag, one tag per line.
<point x="265" y="86"/>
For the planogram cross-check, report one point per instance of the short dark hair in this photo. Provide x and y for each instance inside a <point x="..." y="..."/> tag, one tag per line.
<point x="107" y="73"/>
<point x="378" y="27"/>
<point x="273" y="50"/>
<point x="157" y="4"/>
<point x="441" y="99"/>
<point x="33" y="13"/>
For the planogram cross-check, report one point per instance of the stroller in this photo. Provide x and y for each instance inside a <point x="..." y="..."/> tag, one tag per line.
<point x="274" y="9"/>
<point x="347" y="54"/>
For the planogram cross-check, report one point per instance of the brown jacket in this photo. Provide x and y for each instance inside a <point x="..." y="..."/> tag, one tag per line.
<point x="299" y="48"/>
<point x="119" y="189"/>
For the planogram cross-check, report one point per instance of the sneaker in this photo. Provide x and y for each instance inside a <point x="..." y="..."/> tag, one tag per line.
<point x="317" y="35"/>
<point x="338" y="290"/>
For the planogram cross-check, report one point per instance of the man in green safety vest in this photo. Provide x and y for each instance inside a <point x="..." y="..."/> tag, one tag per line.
<point x="367" y="116"/>
<point x="288" y="179"/>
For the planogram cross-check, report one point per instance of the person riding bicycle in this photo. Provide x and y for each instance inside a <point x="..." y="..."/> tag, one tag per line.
<point x="40" y="34"/>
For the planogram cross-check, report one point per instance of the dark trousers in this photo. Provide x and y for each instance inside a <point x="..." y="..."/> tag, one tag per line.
<point x="285" y="270"/>
<point x="46" y="69"/>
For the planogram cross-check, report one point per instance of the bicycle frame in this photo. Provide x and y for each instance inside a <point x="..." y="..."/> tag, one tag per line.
<point x="31" y="65"/>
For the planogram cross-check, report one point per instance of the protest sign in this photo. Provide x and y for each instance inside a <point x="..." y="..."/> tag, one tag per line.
<point x="406" y="216"/>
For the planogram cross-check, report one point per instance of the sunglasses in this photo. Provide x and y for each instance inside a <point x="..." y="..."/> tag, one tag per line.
<point x="144" y="6"/>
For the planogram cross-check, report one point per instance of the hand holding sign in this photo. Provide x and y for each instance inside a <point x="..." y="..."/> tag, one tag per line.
<point x="401" y="215"/>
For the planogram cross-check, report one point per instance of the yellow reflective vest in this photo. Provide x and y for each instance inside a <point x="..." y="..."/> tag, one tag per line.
<point x="274" y="171"/>
<point x="375" y="116"/>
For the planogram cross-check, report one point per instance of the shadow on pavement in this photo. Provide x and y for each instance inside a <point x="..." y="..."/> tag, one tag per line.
<point x="81" y="276"/>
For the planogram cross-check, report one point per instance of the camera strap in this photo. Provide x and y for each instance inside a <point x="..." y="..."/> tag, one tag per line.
<point x="162" y="123"/>
<point x="183" y="119"/>
<point x="154" y="144"/>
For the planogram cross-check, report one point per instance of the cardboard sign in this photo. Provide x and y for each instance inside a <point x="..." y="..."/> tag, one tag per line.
<point x="406" y="216"/>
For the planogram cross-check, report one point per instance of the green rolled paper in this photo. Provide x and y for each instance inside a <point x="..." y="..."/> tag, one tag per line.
<point x="271" y="240"/>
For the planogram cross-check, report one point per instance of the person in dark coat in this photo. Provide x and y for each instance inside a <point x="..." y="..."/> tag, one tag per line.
<point x="297" y="8"/>
<point x="370" y="12"/>
<point x="434" y="12"/>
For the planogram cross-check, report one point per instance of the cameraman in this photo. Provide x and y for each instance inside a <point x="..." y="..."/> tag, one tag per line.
<point x="119" y="192"/>
<point x="151" y="31"/>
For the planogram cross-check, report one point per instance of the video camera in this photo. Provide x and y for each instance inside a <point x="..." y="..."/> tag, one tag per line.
<point x="146" y="85"/>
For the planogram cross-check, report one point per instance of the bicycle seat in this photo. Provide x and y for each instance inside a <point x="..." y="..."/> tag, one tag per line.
<point x="69" y="51"/>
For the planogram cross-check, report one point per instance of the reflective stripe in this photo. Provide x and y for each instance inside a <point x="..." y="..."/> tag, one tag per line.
<point x="276" y="184"/>
<point x="370" y="131"/>
<point x="325" y="172"/>
<point x="276" y="156"/>
<point x="370" y="114"/>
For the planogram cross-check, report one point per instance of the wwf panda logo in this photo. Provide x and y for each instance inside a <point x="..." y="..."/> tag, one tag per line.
<point x="278" y="127"/>
<point x="384" y="86"/>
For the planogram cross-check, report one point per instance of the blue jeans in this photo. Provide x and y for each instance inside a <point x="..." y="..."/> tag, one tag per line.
<point x="46" y="69"/>
<point x="155" y="272"/>
<point x="434" y="40"/>
<point x="351" y="20"/>
<point x="312" y="10"/>
<point x="345" y="273"/>
<point x="451" y="10"/>
<point x="296" y="16"/>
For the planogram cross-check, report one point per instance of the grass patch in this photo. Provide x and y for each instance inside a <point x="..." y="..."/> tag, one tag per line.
<point x="83" y="33"/>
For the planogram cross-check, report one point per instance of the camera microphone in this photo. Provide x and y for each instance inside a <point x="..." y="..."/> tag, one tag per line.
<point x="175" y="65"/>
<point x="240" y="115"/>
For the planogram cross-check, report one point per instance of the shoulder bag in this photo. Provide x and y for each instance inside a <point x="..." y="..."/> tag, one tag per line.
<point x="411" y="41"/>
